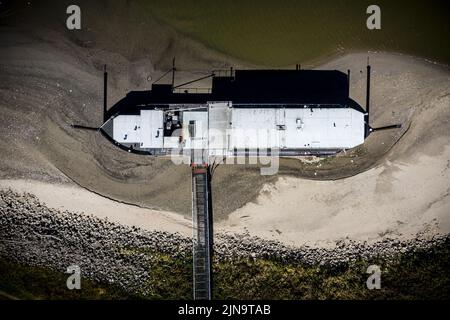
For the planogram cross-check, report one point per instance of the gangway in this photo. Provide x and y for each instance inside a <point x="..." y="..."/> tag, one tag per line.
<point x="202" y="231"/>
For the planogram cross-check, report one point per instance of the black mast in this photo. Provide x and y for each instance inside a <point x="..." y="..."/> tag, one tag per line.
<point x="366" y="116"/>
<point x="348" y="82"/>
<point x="173" y="72"/>
<point x="105" y="93"/>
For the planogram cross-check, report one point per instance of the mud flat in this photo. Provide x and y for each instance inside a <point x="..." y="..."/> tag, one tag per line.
<point x="396" y="184"/>
<point x="45" y="89"/>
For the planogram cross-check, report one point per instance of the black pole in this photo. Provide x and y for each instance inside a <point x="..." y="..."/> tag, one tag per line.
<point x="173" y="72"/>
<point x="78" y="126"/>
<point x="393" y="126"/>
<point x="366" y="116"/>
<point x="192" y="81"/>
<point x="348" y="82"/>
<point x="105" y="93"/>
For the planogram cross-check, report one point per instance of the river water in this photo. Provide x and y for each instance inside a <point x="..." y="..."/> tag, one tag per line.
<point x="280" y="33"/>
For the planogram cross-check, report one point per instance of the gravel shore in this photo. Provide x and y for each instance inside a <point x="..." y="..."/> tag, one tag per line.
<point x="35" y="235"/>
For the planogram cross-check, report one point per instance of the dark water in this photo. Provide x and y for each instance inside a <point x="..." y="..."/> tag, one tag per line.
<point x="286" y="32"/>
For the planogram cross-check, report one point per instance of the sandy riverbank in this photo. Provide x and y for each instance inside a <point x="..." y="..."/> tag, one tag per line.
<point x="78" y="200"/>
<point x="395" y="199"/>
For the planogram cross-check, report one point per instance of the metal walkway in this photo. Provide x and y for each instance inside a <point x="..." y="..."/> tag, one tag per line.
<point x="202" y="232"/>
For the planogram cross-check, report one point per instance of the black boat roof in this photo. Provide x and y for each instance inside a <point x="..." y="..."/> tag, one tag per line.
<point x="250" y="87"/>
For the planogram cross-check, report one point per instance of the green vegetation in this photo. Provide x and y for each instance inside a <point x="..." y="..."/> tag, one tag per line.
<point x="422" y="275"/>
<point x="275" y="33"/>
<point x="34" y="283"/>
